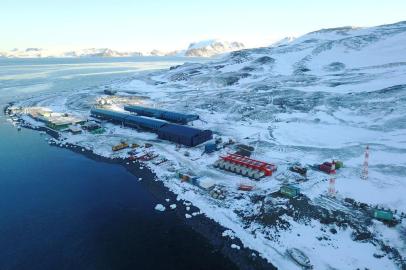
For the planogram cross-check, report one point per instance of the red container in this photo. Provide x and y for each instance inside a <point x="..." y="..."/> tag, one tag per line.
<point x="326" y="167"/>
<point x="245" y="187"/>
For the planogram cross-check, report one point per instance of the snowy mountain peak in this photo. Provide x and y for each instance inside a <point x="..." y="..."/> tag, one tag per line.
<point x="208" y="48"/>
<point x="205" y="48"/>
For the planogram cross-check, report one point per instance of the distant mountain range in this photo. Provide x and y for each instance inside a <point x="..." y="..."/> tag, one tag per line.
<point x="43" y="53"/>
<point x="207" y="48"/>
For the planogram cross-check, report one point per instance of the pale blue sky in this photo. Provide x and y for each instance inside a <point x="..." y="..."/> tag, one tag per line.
<point x="144" y="25"/>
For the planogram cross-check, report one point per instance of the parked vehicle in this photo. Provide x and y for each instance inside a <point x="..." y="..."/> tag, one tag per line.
<point x="298" y="169"/>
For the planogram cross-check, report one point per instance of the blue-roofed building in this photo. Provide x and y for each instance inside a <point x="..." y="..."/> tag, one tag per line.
<point x="166" y="131"/>
<point x="170" y="116"/>
<point x="143" y="122"/>
<point x="108" y="115"/>
<point x="184" y="134"/>
<point x="127" y="119"/>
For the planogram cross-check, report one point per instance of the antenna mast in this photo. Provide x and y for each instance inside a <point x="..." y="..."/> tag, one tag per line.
<point x="364" y="175"/>
<point x="332" y="187"/>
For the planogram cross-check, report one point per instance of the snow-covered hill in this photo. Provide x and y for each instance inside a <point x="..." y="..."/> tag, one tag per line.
<point x="283" y="41"/>
<point x="331" y="60"/>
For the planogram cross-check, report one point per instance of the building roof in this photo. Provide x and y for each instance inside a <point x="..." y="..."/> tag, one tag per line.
<point x="145" y="121"/>
<point x="109" y="113"/>
<point x="181" y="130"/>
<point x="163" y="114"/>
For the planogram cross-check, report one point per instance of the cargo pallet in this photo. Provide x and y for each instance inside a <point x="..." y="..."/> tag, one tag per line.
<point x="245" y="166"/>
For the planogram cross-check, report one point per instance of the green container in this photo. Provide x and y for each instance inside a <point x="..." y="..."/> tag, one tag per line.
<point x="98" y="131"/>
<point x="383" y="214"/>
<point x="290" y="191"/>
<point x="339" y="164"/>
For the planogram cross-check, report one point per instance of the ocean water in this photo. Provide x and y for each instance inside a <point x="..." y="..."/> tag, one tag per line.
<point x="63" y="210"/>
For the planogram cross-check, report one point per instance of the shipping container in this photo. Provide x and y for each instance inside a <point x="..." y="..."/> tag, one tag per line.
<point x="327" y="167"/>
<point x="338" y="164"/>
<point x="184" y="135"/>
<point x="245" y="187"/>
<point x="383" y="214"/>
<point x="170" y="116"/>
<point x="98" y="131"/>
<point x="290" y="190"/>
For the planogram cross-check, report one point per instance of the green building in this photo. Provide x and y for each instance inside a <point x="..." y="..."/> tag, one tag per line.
<point x="58" y="125"/>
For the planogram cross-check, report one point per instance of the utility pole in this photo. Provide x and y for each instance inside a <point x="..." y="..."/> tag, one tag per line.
<point x="364" y="175"/>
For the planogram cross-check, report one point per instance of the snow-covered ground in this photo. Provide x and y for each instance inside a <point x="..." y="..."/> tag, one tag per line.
<point x="321" y="96"/>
